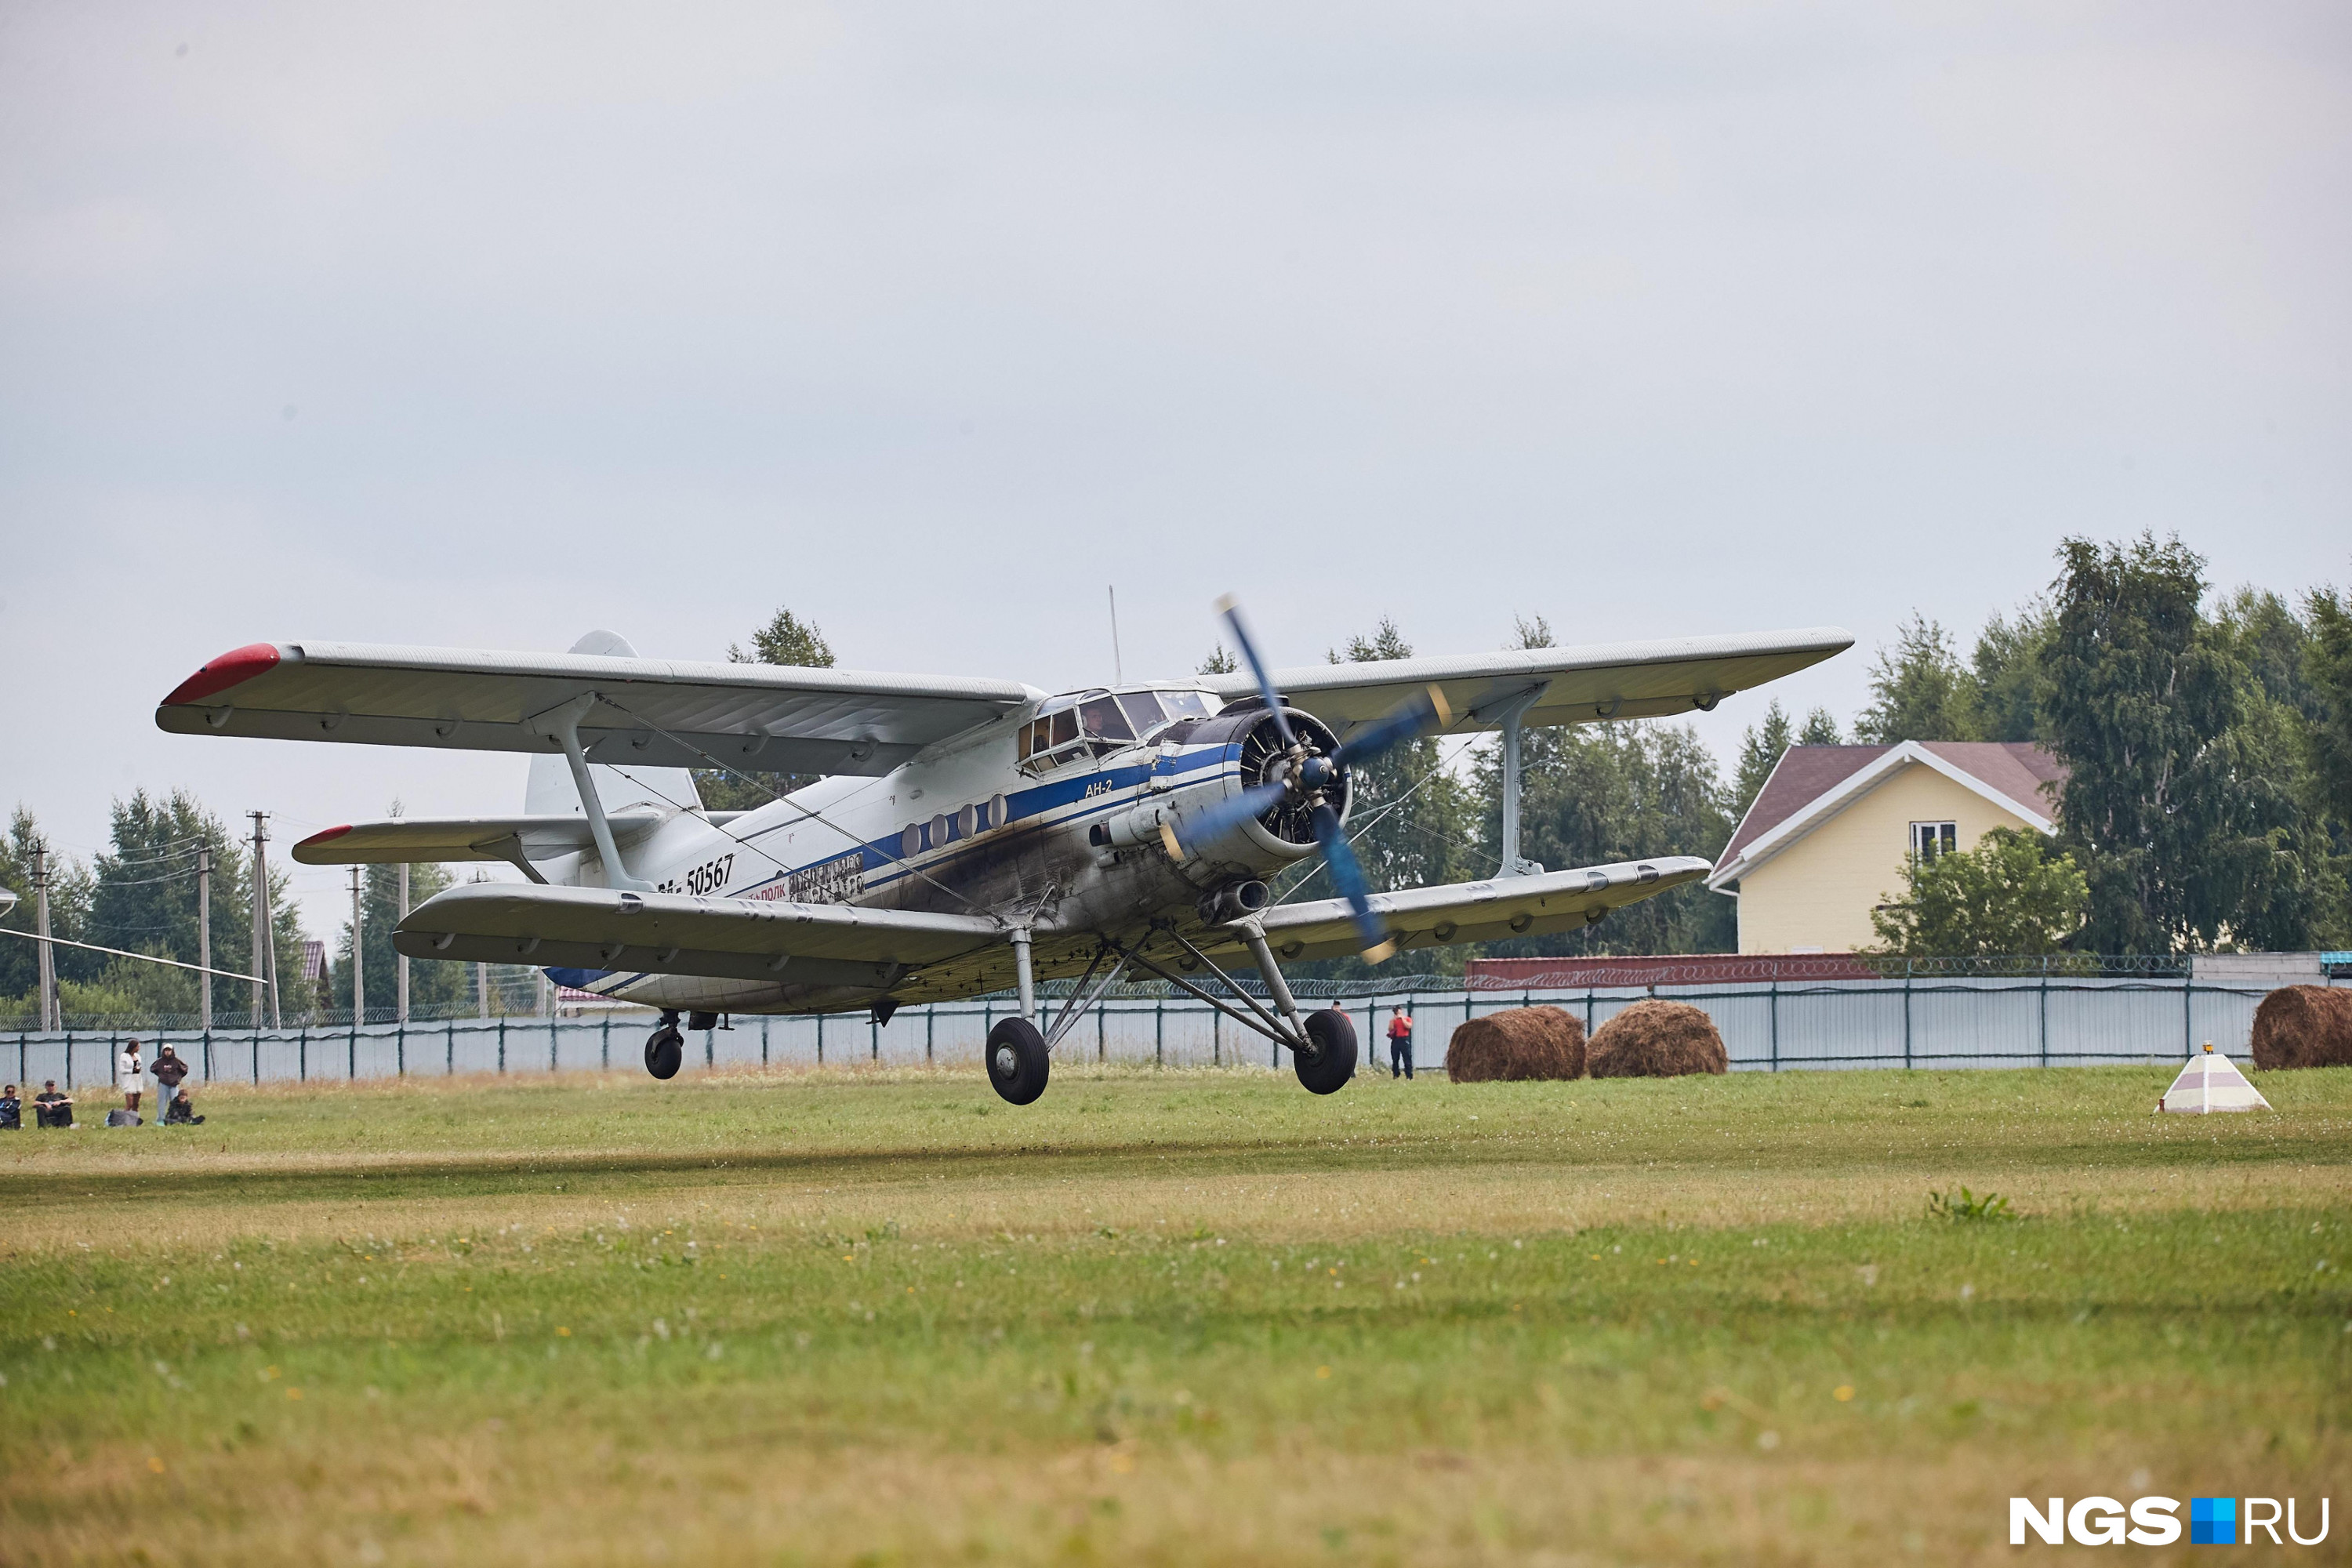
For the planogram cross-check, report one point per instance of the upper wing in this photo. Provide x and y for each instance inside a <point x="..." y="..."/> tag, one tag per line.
<point x="1571" y="684"/>
<point x="674" y="933"/>
<point x="1480" y="911"/>
<point x="412" y="840"/>
<point x="749" y="715"/>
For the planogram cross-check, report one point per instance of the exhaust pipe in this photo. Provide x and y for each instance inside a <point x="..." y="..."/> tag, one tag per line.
<point x="1235" y="900"/>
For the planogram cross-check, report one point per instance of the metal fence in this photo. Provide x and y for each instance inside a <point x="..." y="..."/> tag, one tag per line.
<point x="2045" y="1021"/>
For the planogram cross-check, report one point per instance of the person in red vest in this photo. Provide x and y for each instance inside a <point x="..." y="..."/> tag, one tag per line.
<point x="1400" y="1043"/>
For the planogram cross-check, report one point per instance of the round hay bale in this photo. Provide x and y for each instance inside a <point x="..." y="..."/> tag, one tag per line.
<point x="1515" y="1044"/>
<point x="2303" y="1027"/>
<point x="1656" y="1039"/>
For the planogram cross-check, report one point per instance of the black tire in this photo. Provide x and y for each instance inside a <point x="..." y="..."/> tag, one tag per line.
<point x="1018" y="1062"/>
<point x="1333" y="1060"/>
<point x="665" y="1051"/>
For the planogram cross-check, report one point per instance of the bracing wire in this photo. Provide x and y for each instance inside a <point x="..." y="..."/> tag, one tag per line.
<point x="807" y="814"/>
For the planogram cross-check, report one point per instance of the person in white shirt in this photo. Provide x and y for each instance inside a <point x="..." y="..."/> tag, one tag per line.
<point x="126" y="1077"/>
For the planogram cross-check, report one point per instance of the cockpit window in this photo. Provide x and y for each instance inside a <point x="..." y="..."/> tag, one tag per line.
<point x="1143" y="710"/>
<point x="1079" y="724"/>
<point x="1183" y="705"/>
<point x="1104" y="721"/>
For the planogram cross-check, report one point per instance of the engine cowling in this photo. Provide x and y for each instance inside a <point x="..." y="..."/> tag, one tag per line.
<point x="1283" y="833"/>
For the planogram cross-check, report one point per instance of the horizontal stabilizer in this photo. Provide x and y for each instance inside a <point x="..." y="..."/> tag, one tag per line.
<point x="1479" y="911"/>
<point x="416" y="840"/>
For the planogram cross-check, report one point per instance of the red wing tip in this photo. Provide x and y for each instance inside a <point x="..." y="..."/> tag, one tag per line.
<point x="231" y="668"/>
<point x="322" y="837"/>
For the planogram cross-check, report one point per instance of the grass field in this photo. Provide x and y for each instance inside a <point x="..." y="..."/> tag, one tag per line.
<point x="1181" y="1317"/>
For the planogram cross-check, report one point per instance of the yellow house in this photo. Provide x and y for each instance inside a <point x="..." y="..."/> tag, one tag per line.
<point x="1828" y="835"/>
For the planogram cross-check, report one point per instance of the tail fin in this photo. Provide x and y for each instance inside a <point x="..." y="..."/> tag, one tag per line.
<point x="548" y="791"/>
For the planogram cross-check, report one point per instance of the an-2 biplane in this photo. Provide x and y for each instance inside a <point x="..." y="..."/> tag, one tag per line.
<point x="967" y="834"/>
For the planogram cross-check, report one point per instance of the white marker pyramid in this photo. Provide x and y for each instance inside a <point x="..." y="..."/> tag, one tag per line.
<point x="2212" y="1082"/>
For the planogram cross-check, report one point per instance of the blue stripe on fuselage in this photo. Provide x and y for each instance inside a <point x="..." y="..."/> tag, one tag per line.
<point x="1024" y="805"/>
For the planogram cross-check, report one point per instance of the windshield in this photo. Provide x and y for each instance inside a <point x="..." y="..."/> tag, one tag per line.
<point x="1081" y="724"/>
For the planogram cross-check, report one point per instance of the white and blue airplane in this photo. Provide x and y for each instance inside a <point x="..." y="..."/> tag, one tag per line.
<point x="967" y="834"/>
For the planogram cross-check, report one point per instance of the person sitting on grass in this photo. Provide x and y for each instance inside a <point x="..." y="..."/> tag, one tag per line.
<point x="11" y="1109"/>
<point x="51" y="1109"/>
<point x="181" y="1111"/>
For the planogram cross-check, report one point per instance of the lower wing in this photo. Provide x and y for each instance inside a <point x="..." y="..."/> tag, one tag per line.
<point x="595" y="929"/>
<point x="1480" y="911"/>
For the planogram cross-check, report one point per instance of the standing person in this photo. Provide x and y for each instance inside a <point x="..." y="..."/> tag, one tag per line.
<point x="126" y="1077"/>
<point x="1400" y="1043"/>
<point x="170" y="1070"/>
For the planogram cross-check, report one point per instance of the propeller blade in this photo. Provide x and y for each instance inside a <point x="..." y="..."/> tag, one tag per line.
<point x="1408" y="721"/>
<point x="1348" y="878"/>
<point x="1231" y="609"/>
<point x="1196" y="829"/>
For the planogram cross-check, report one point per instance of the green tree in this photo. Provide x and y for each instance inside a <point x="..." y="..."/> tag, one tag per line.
<point x="1759" y="754"/>
<point x="145" y="897"/>
<point x="1820" y="729"/>
<point x="2180" y="804"/>
<point x="2010" y="895"/>
<point x="2266" y="636"/>
<point x="2327" y="742"/>
<point x="70" y="886"/>
<point x="788" y="640"/>
<point x="1220" y="661"/>
<point x="434" y="986"/>
<point x="1918" y="689"/>
<point x="2002" y="699"/>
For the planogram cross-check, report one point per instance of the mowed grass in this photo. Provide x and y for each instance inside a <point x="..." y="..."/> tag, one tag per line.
<point x="1163" y="1318"/>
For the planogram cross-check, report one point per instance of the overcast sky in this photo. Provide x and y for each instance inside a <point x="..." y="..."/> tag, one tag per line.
<point x="487" y="325"/>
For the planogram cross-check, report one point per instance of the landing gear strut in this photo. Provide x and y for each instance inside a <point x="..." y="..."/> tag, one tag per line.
<point x="665" y="1047"/>
<point x="1322" y="1045"/>
<point x="1019" y="1059"/>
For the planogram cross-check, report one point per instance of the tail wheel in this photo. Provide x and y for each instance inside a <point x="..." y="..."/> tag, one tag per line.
<point x="1018" y="1062"/>
<point x="1333" y="1060"/>
<point x="665" y="1051"/>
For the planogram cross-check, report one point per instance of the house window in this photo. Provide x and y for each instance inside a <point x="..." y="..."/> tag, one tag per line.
<point x="1929" y="840"/>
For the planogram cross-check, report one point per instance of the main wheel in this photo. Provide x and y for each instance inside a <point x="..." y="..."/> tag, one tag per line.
<point x="1018" y="1061"/>
<point x="664" y="1051"/>
<point x="1333" y="1061"/>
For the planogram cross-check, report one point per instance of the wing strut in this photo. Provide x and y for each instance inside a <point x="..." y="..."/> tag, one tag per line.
<point x="1509" y="714"/>
<point x="562" y="723"/>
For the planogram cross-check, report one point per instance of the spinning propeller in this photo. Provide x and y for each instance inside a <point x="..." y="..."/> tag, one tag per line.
<point x="1308" y="774"/>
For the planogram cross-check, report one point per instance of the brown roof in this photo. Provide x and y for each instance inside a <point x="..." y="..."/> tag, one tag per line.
<point x="2015" y="769"/>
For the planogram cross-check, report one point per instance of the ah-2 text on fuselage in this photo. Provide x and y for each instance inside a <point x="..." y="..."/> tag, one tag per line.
<point x="968" y="836"/>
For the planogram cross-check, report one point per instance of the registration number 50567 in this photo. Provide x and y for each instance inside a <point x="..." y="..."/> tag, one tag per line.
<point x="707" y="877"/>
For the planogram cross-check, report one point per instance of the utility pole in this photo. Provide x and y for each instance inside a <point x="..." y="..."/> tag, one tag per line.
<point x="400" y="990"/>
<point x="359" y="968"/>
<point x="205" y="929"/>
<point x="48" y="968"/>
<point x="265" y="947"/>
<point x="482" y="989"/>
